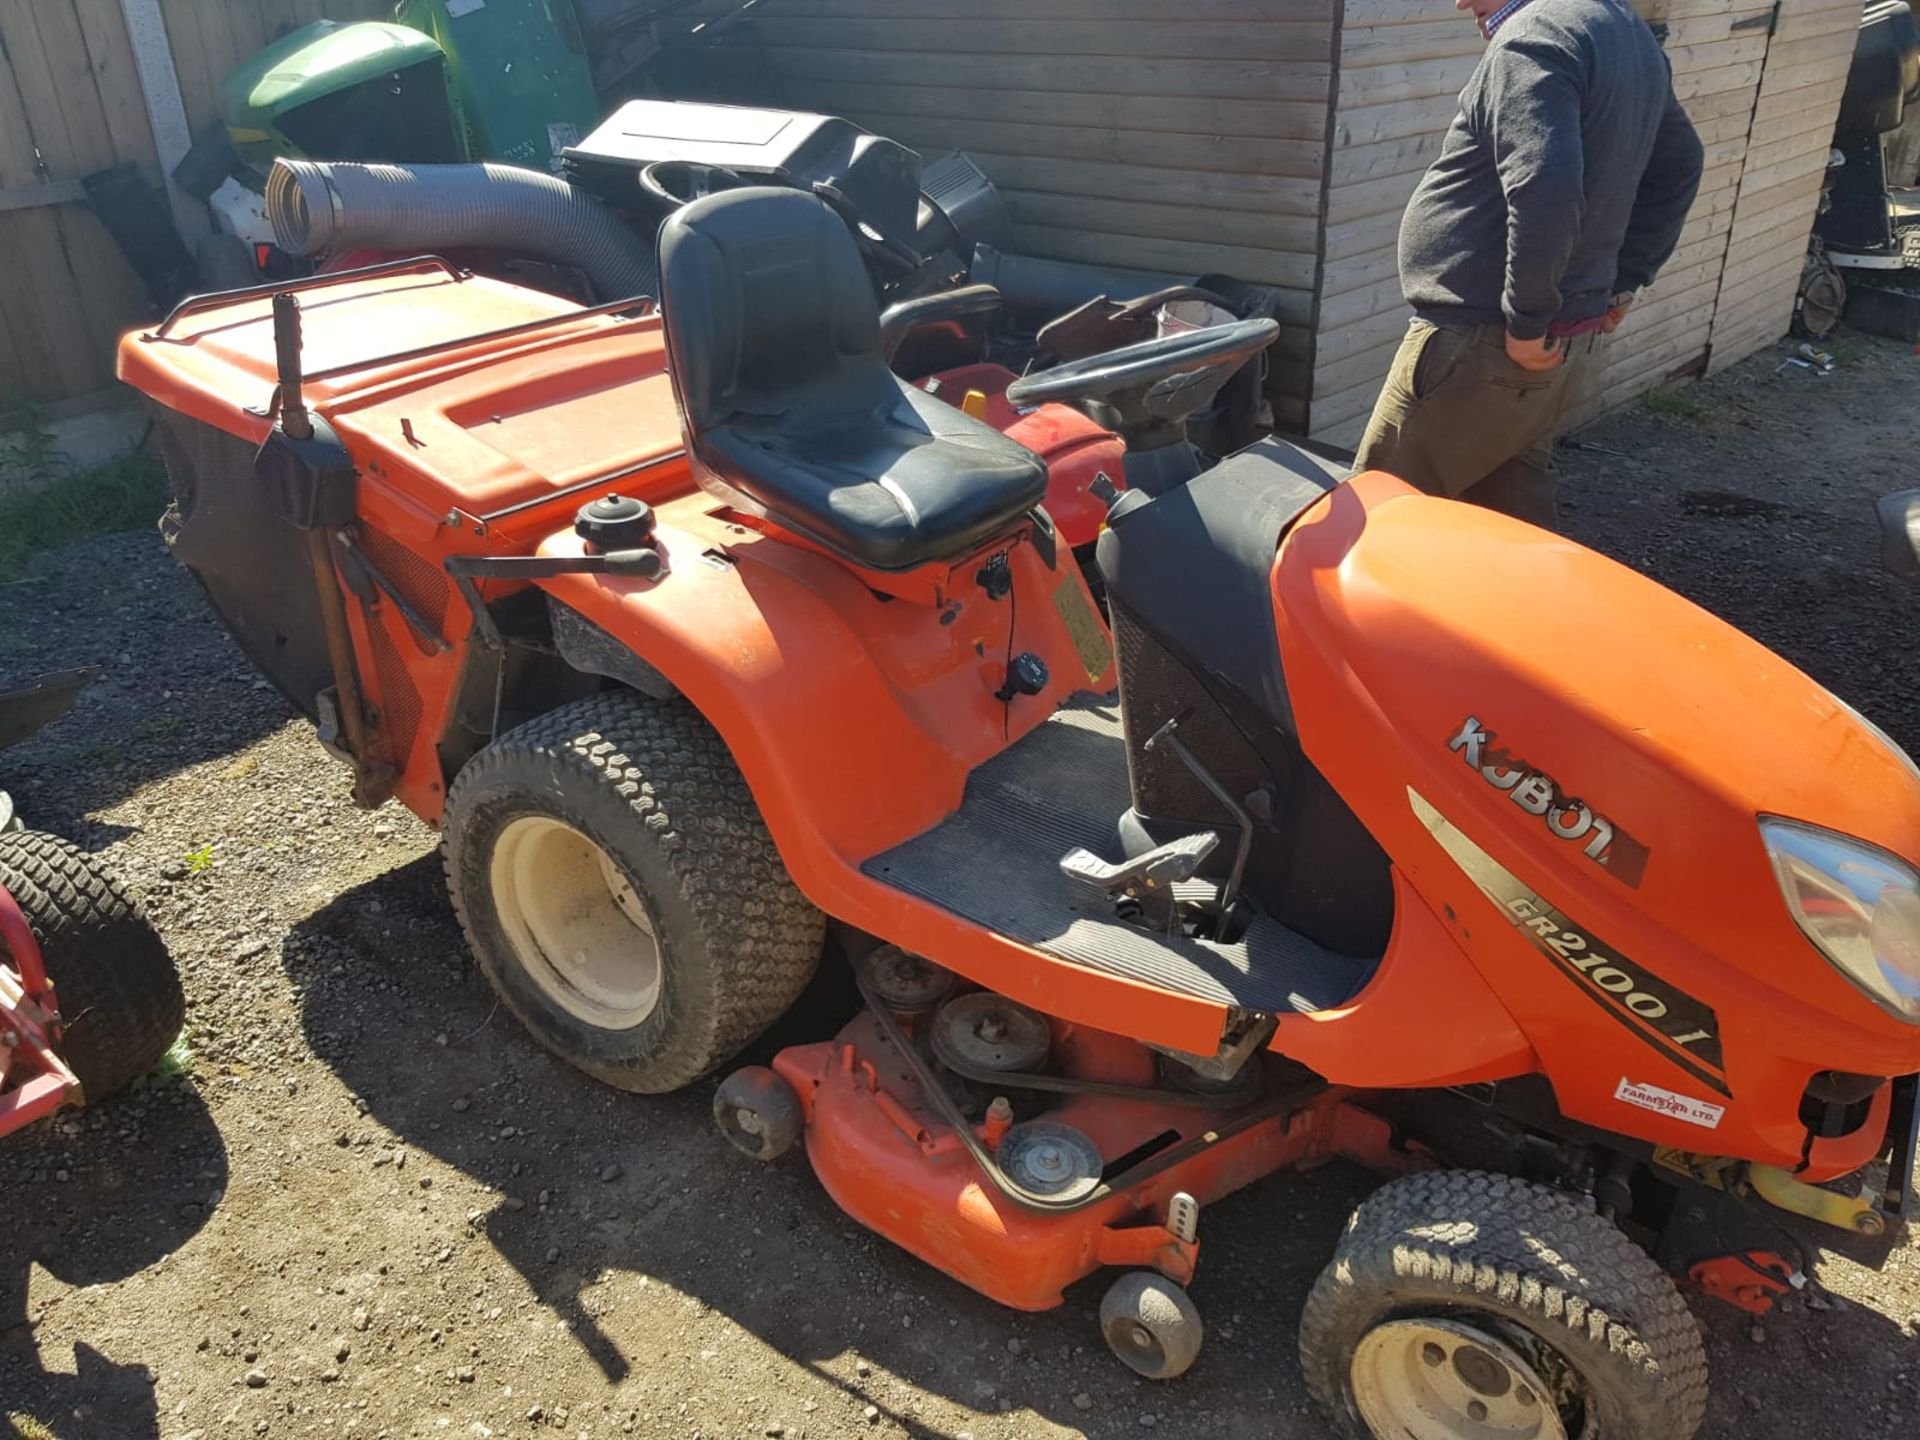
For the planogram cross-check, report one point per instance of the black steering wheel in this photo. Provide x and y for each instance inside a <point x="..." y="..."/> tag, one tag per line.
<point x="1151" y="389"/>
<point x="673" y="183"/>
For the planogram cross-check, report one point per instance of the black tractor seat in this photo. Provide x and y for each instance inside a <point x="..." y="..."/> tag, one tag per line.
<point x="773" y="340"/>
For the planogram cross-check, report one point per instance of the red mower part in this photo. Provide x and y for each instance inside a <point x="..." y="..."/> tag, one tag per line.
<point x="898" y="1170"/>
<point x="34" y="1080"/>
<point x="1749" y="1282"/>
<point x="1077" y="451"/>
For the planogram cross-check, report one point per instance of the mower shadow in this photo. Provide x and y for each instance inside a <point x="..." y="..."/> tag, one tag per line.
<point x="687" y="1224"/>
<point x="143" y="1174"/>
<point x="175" y="690"/>
<point x="631" y="1263"/>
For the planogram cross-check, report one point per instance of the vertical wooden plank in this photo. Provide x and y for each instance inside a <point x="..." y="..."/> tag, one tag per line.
<point x="248" y="30"/>
<point x="60" y="86"/>
<point x="69" y="125"/>
<point x="18" y="328"/>
<point x="39" y="293"/>
<point x="230" y="31"/>
<point x="117" y="83"/>
<point x="197" y="91"/>
<point x="277" y="17"/>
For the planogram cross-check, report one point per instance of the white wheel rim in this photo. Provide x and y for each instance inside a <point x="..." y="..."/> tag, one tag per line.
<point x="577" y="927"/>
<point x="1434" y="1379"/>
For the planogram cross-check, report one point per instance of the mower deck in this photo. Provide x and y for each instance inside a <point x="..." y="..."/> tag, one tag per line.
<point x="996" y="862"/>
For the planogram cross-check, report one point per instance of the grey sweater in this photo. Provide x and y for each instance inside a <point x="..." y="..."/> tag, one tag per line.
<point x="1565" y="179"/>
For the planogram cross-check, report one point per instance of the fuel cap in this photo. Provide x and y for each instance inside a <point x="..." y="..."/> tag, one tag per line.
<point x="614" y="522"/>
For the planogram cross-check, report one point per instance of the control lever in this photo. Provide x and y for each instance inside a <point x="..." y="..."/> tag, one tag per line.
<point x="1165" y="736"/>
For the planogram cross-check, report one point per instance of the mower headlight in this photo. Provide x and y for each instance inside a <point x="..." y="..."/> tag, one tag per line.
<point x="1858" y="904"/>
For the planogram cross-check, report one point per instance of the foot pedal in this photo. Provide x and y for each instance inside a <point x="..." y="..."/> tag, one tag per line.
<point x="1183" y="1218"/>
<point x="1158" y="869"/>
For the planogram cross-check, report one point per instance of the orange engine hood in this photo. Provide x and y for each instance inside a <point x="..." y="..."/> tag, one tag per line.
<point x="1403" y="618"/>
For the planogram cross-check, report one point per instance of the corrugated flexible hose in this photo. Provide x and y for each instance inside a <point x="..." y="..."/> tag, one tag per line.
<point x="318" y="205"/>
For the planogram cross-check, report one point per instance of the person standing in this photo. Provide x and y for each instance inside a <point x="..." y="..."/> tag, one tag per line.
<point x="1560" y="191"/>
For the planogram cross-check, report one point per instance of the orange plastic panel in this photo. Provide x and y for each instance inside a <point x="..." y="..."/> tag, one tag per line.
<point x="1401" y="618"/>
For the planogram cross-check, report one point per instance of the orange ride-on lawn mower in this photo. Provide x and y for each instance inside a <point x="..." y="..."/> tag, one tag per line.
<point x="1377" y="826"/>
<point x="89" y="997"/>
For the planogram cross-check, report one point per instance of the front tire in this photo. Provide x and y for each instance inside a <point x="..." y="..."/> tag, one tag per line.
<point x="619" y="889"/>
<point x="118" y="991"/>
<point x="1464" y="1304"/>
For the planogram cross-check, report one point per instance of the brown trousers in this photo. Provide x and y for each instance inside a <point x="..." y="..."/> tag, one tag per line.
<point x="1458" y="418"/>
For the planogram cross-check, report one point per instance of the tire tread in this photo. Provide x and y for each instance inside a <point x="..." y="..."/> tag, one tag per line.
<point x="1530" y="1250"/>
<point x="675" y="774"/>
<point x="117" y="987"/>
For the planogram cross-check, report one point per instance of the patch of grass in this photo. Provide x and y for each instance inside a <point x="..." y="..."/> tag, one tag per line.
<point x="178" y="1061"/>
<point x="161" y="726"/>
<point x="201" y="859"/>
<point x="101" y="755"/>
<point x="1676" y="405"/>
<point x="124" y="494"/>
<point x="1844" y="350"/>
<point x="28" y="1428"/>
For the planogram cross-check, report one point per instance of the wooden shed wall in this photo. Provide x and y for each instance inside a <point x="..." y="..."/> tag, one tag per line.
<point x="1403" y="63"/>
<point x="1765" y="108"/>
<point x="1786" y="167"/>
<point x="71" y="104"/>
<point x="1118" y="134"/>
<point x="1717" y="70"/>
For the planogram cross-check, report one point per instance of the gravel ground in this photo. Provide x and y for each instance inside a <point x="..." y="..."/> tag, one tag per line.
<point x="369" y="1206"/>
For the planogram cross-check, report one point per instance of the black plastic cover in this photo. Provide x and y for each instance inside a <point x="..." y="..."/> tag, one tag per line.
<point x="229" y="529"/>
<point x="1189" y="584"/>
<point x="782" y="147"/>
<point x="1194" y="566"/>
<point x="1885" y="77"/>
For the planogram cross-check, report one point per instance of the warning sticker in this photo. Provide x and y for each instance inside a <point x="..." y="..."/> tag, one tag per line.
<point x="1664" y="1102"/>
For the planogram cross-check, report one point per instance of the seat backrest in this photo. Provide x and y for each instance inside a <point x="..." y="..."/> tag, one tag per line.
<point x="764" y="297"/>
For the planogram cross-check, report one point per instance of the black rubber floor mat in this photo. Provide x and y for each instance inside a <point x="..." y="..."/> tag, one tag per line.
<point x="997" y="863"/>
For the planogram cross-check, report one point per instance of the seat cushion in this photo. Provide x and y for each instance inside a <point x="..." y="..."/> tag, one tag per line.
<point x="891" y="482"/>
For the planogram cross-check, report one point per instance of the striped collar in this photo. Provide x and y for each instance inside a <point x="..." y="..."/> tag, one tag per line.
<point x="1505" y="13"/>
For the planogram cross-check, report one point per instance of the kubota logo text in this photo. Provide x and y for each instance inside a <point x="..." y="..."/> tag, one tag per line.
<point x="1534" y="791"/>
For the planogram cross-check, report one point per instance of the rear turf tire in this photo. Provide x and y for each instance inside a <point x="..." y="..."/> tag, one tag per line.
<point x="1545" y="1280"/>
<point x="721" y="942"/>
<point x="118" y="990"/>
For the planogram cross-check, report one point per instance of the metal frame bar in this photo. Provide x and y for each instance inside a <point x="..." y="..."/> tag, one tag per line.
<point x="221" y="299"/>
<point x="51" y="192"/>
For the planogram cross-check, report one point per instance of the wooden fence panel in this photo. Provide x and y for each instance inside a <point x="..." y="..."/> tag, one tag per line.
<point x="66" y="291"/>
<point x="71" y="105"/>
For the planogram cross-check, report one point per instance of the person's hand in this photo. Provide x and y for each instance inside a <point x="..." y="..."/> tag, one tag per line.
<point x="1617" y="313"/>
<point x="1535" y="355"/>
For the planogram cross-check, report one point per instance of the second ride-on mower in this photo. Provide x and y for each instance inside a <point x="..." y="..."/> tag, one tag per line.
<point x="1377" y="826"/>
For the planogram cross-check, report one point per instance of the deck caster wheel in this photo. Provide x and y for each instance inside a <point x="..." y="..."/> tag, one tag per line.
<point x="1149" y="1322"/>
<point x="757" y="1112"/>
